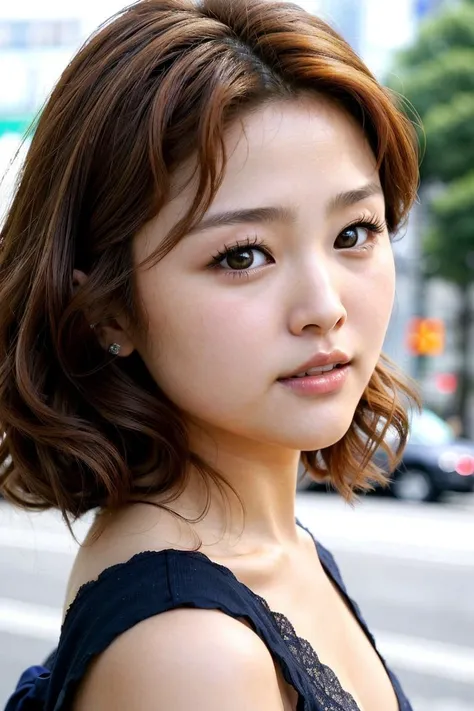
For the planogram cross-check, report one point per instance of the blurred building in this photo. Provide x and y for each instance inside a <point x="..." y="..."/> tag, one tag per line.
<point x="37" y="39"/>
<point x="377" y="30"/>
<point x="424" y="8"/>
<point x="36" y="42"/>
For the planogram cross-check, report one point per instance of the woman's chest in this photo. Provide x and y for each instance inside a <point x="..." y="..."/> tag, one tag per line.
<point x="330" y="643"/>
<point x="308" y="607"/>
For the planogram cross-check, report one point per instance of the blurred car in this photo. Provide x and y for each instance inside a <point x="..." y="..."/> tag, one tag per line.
<point x="434" y="462"/>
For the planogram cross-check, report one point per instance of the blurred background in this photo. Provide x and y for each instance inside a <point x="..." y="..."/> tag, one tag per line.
<point x="407" y="555"/>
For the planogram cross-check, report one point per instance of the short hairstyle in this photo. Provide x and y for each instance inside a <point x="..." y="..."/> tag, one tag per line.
<point x="158" y="84"/>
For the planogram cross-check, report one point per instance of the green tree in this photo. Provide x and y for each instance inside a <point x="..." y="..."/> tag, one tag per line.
<point x="436" y="75"/>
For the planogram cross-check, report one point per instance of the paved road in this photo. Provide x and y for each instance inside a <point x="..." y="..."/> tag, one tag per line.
<point x="410" y="568"/>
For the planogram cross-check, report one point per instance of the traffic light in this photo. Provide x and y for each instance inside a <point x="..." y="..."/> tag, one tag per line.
<point x="426" y="336"/>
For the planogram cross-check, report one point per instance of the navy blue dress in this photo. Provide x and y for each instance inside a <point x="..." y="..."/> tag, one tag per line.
<point x="156" y="581"/>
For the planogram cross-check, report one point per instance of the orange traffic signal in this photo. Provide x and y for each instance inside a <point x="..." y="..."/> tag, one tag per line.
<point x="426" y="336"/>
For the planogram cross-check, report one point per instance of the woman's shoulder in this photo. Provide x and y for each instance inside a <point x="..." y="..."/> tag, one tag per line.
<point x="120" y="539"/>
<point x="158" y="600"/>
<point x="137" y="538"/>
<point x="126" y="599"/>
<point x="133" y="565"/>
<point x="188" y="658"/>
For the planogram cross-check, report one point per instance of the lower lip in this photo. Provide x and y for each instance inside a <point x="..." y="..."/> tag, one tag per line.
<point x="329" y="382"/>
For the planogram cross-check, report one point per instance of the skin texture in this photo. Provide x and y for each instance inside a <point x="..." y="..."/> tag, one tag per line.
<point x="217" y="345"/>
<point x="218" y="341"/>
<point x="224" y="665"/>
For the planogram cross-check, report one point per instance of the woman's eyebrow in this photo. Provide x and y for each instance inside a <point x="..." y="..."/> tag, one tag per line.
<point x="259" y="215"/>
<point x="275" y="213"/>
<point x="352" y="197"/>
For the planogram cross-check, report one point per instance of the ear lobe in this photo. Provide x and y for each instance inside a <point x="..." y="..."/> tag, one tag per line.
<point x="108" y="332"/>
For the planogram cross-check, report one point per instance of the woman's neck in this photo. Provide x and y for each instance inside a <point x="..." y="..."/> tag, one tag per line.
<point x="263" y="477"/>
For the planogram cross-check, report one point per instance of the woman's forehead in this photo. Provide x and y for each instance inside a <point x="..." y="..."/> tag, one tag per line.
<point x="279" y="153"/>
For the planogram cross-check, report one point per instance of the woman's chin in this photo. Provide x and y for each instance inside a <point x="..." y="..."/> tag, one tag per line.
<point x="320" y="436"/>
<point x="310" y="443"/>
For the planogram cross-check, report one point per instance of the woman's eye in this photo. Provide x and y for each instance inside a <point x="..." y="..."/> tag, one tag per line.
<point x="354" y="236"/>
<point x="243" y="258"/>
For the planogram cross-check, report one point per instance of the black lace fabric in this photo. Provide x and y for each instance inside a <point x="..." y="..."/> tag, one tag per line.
<point x="328" y="692"/>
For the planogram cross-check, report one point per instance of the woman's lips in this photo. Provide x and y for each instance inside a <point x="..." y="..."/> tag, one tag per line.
<point x="331" y="381"/>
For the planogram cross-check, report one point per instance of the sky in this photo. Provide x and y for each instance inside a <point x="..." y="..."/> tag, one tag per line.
<point x="385" y="26"/>
<point x="386" y="18"/>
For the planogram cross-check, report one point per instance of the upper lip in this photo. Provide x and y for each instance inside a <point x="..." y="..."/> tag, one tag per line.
<point x="320" y="359"/>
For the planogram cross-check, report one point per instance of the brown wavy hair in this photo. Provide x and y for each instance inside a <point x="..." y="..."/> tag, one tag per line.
<point x="158" y="84"/>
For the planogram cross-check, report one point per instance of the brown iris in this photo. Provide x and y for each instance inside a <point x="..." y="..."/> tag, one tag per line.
<point x="349" y="238"/>
<point x="240" y="259"/>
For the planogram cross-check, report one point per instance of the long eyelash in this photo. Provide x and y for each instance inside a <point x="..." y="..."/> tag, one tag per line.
<point x="373" y="223"/>
<point x="237" y="247"/>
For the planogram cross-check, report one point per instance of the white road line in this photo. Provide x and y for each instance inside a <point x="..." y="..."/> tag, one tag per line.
<point x="424" y="656"/>
<point x="53" y="542"/>
<point x="27" y="620"/>
<point x="442" y="536"/>
<point x="413" y="654"/>
<point x="37" y="540"/>
<point x="400" y="551"/>
<point x="439" y="704"/>
<point x="333" y="529"/>
<point x="445" y="539"/>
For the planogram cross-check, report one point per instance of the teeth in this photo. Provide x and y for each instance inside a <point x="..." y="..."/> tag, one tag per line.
<point x="322" y="369"/>
<point x="316" y="371"/>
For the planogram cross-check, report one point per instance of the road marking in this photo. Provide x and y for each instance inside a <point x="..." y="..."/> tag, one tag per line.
<point x="426" y="535"/>
<point x="407" y="534"/>
<point x="27" y="620"/>
<point x="52" y="542"/>
<point x="37" y="540"/>
<point x="425" y="656"/>
<point x="439" y="704"/>
<point x="413" y="654"/>
<point x="399" y="551"/>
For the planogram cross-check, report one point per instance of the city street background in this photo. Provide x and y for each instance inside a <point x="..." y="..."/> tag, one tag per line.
<point x="409" y="567"/>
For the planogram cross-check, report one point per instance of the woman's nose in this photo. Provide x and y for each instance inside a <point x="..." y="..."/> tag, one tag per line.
<point x="316" y="302"/>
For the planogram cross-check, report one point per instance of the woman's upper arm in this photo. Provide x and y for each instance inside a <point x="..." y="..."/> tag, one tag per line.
<point x="183" y="660"/>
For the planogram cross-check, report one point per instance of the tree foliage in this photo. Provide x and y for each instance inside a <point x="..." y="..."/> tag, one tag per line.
<point x="453" y="28"/>
<point x="436" y="75"/>
<point x="451" y="243"/>
<point x="450" y="138"/>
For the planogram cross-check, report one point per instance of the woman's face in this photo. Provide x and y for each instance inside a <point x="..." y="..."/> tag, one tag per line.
<point x="301" y="280"/>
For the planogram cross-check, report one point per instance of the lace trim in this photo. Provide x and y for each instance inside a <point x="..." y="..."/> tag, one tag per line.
<point x="326" y="685"/>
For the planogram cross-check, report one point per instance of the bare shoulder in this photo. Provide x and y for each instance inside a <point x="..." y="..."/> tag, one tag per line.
<point x="183" y="660"/>
<point x="116" y="538"/>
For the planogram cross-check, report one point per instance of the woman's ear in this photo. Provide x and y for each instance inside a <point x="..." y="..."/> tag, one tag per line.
<point x="112" y="334"/>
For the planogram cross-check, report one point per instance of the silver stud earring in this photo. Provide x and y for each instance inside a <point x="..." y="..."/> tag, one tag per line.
<point x="114" y="348"/>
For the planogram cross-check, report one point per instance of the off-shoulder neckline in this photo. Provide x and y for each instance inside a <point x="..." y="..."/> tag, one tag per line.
<point x="111" y="569"/>
<point x="277" y="618"/>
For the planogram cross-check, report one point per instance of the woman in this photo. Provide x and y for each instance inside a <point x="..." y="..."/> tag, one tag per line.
<point x="196" y="280"/>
